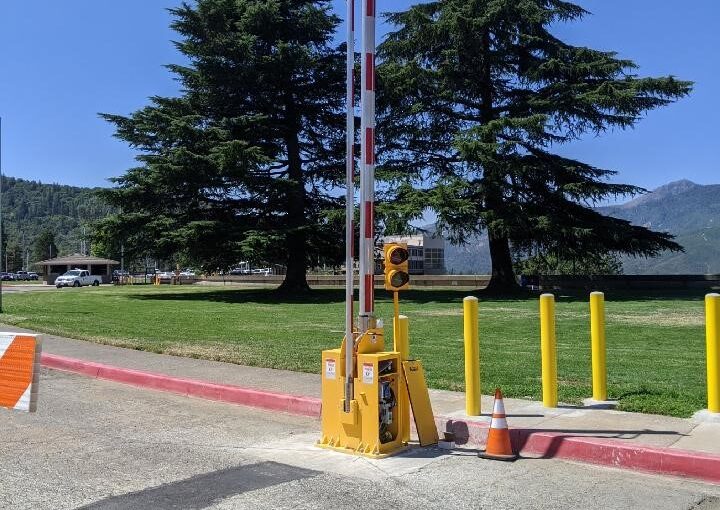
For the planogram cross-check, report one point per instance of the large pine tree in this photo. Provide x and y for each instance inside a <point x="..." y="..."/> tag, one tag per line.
<point x="475" y="94"/>
<point x="244" y="163"/>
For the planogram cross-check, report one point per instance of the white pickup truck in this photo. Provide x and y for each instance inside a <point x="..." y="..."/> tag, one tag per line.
<point x="77" y="278"/>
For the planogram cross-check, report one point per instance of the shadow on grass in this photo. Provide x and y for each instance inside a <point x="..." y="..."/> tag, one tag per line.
<point x="337" y="295"/>
<point x="315" y="296"/>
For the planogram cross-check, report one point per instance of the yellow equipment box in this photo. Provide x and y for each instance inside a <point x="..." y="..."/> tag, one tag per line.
<point x="372" y="427"/>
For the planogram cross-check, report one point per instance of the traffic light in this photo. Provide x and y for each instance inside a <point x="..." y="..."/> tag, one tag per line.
<point x="397" y="276"/>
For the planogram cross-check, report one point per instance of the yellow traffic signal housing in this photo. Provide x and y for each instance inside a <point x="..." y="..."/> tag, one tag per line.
<point x="397" y="274"/>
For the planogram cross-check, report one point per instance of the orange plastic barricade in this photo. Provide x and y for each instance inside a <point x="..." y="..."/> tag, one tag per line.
<point x="19" y="370"/>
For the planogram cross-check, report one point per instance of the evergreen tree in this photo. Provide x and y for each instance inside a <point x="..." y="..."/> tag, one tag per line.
<point x="243" y="164"/>
<point x="591" y="265"/>
<point x="14" y="258"/>
<point x="475" y="94"/>
<point x="44" y="246"/>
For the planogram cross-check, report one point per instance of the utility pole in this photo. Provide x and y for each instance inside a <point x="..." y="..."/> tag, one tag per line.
<point x="1" y="231"/>
<point x="349" y="206"/>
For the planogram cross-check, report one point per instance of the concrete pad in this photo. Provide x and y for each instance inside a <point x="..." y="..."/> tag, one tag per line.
<point x="300" y="451"/>
<point x="704" y="438"/>
<point x="520" y="413"/>
<point x="706" y="416"/>
<point x="600" y="404"/>
<point x="646" y="429"/>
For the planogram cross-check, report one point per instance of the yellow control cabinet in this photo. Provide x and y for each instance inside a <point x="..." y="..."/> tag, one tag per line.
<point x="372" y="425"/>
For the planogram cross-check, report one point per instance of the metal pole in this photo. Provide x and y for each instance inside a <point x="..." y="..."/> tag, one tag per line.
<point x="349" y="206"/>
<point x="367" y="167"/>
<point x="402" y="346"/>
<point x="1" y="230"/>
<point x="472" y="356"/>
<point x="597" y="341"/>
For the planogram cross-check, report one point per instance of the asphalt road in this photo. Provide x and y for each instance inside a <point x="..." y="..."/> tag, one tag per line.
<point x="25" y="287"/>
<point x="100" y="445"/>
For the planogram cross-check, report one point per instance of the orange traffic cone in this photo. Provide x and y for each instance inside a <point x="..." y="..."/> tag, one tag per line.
<point x="498" y="442"/>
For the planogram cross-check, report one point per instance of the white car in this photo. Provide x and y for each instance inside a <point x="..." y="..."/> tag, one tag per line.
<point x="77" y="278"/>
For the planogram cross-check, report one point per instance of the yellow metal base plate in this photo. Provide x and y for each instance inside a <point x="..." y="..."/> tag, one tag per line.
<point x="360" y="453"/>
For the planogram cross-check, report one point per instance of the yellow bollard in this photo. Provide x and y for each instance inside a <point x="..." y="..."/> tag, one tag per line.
<point x="402" y="345"/>
<point x="712" y="332"/>
<point x="597" y="340"/>
<point x="402" y="341"/>
<point x="472" y="356"/>
<point x="548" y="350"/>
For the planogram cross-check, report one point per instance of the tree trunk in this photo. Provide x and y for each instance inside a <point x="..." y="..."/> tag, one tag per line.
<point x="503" y="274"/>
<point x="296" y="240"/>
<point x="296" y="277"/>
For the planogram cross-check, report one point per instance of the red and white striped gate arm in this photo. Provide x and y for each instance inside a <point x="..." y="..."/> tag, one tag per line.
<point x="367" y="165"/>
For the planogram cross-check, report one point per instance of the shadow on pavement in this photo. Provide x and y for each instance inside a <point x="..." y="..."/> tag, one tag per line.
<point x="203" y="490"/>
<point x="520" y="437"/>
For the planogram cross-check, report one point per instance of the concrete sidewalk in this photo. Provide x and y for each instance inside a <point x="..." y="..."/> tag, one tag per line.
<point x="529" y="417"/>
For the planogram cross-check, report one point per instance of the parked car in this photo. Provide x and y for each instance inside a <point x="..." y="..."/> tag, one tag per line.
<point x="33" y="276"/>
<point x="77" y="278"/>
<point x="21" y="275"/>
<point x="7" y="276"/>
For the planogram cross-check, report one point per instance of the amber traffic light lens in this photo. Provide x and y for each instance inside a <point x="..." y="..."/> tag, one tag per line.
<point x="398" y="255"/>
<point x="399" y="278"/>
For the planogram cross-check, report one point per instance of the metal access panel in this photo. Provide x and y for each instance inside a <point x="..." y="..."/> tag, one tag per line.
<point x="420" y="402"/>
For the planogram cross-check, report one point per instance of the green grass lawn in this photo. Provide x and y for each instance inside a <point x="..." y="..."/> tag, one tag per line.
<point x="656" y="345"/>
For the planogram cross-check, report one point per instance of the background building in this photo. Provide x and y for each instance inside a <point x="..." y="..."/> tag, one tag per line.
<point x="52" y="268"/>
<point x="427" y="252"/>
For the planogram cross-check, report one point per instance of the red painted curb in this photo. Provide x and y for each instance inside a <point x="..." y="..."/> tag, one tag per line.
<point x="604" y="452"/>
<point x="593" y="450"/>
<point x="293" y="404"/>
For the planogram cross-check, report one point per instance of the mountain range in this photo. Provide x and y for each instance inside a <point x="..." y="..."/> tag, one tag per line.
<point x="683" y="208"/>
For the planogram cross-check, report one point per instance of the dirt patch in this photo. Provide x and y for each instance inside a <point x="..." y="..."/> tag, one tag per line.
<point x="660" y="319"/>
<point x="438" y="313"/>
<point x="232" y="353"/>
<point x="512" y="313"/>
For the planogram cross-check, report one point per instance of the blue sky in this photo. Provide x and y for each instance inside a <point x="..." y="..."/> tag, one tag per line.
<point x="63" y="62"/>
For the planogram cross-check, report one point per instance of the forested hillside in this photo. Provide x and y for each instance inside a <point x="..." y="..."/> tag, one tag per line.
<point x="688" y="210"/>
<point x="30" y="208"/>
